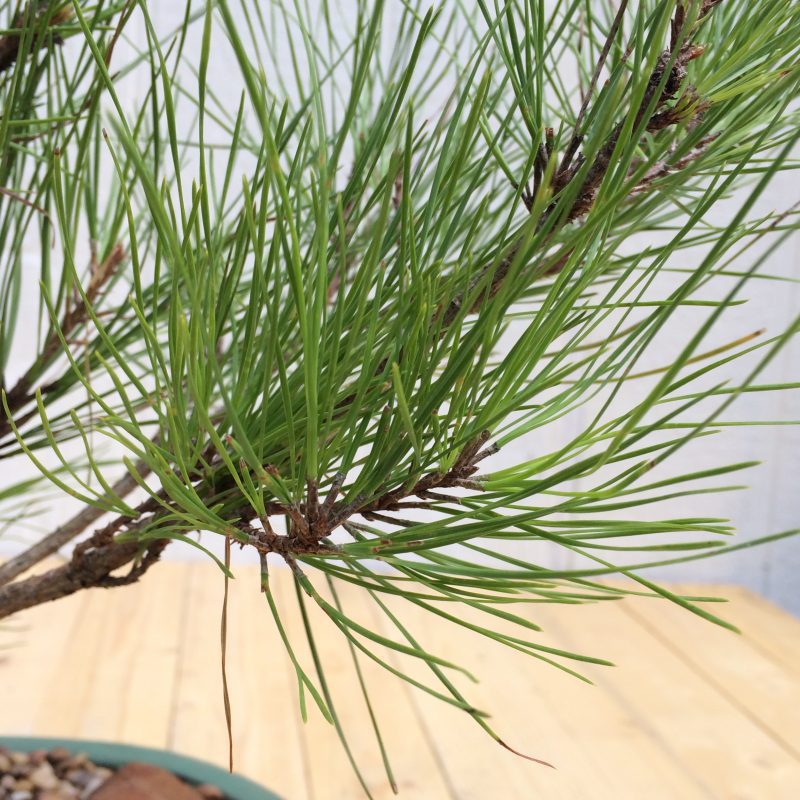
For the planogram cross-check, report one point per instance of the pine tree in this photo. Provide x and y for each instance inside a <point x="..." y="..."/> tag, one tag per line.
<point x="303" y="311"/>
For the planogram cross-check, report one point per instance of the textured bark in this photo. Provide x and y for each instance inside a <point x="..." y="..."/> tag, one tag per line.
<point x="23" y="393"/>
<point x="92" y="569"/>
<point x="92" y="564"/>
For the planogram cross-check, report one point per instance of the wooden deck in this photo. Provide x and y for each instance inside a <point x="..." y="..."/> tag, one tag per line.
<point x="691" y="710"/>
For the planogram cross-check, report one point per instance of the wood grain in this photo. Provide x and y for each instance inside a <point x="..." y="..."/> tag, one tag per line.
<point x="692" y="711"/>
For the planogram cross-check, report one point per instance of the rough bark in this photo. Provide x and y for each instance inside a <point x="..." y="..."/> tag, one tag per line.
<point x="93" y="568"/>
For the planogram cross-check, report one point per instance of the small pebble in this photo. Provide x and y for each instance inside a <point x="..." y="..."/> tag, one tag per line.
<point x="77" y="761"/>
<point x="91" y="786"/>
<point x="58" y="754"/>
<point x="78" y="777"/>
<point x="210" y="792"/>
<point x="43" y="776"/>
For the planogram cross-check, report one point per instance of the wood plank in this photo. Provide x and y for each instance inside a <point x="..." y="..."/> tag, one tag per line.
<point x="477" y="767"/>
<point x="31" y="663"/>
<point x="691" y="711"/>
<point x="132" y="671"/>
<point x="417" y="773"/>
<point x="267" y="747"/>
<point x="319" y="737"/>
<point x="149" y="690"/>
<point x="594" y="743"/>
<point x="771" y="629"/>
<point x="751" y="681"/>
<point x="267" y="727"/>
<point x="723" y="748"/>
<point x="63" y="709"/>
<point x="102" y="661"/>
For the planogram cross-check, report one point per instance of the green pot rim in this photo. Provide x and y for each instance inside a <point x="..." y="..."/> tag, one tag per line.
<point x="110" y="754"/>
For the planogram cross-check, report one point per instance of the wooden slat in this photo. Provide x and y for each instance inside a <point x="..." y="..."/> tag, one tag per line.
<point x="751" y="681"/>
<point x="132" y="669"/>
<point x="110" y="659"/>
<point x="268" y="738"/>
<point x="691" y="712"/>
<point x="65" y="700"/>
<point x="728" y="753"/>
<point x="32" y="662"/>
<point x="772" y="630"/>
<point x="149" y="689"/>
<point x="476" y="766"/>
<point x="331" y="777"/>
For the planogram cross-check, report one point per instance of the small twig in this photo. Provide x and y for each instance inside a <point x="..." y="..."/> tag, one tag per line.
<point x="333" y="493"/>
<point x="662" y="117"/>
<point x="576" y="138"/>
<point x="22" y="392"/>
<point x="18" y="198"/>
<point x="664" y="168"/>
<point x="458" y="475"/>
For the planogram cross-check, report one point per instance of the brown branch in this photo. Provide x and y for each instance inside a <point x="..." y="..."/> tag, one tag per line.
<point x="267" y="541"/>
<point x="575" y="141"/>
<point x="90" y="568"/>
<point x="18" y="198"/>
<point x="9" y="44"/>
<point x="68" y="531"/>
<point x="459" y="475"/>
<point x="95" y="559"/>
<point x="92" y="563"/>
<point x="74" y="316"/>
<point x="313" y="521"/>
<point x="664" y="83"/>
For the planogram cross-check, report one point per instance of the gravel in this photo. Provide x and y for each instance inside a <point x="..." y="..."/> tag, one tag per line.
<point x="58" y="774"/>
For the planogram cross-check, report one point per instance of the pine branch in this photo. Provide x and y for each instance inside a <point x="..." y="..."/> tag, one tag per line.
<point x="70" y="530"/>
<point x="313" y="522"/>
<point x="308" y="344"/>
<point x="665" y="82"/>
<point x="75" y="316"/>
<point x="92" y="565"/>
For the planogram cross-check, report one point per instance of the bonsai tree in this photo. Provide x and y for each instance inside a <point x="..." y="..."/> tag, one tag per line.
<point x="306" y="293"/>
